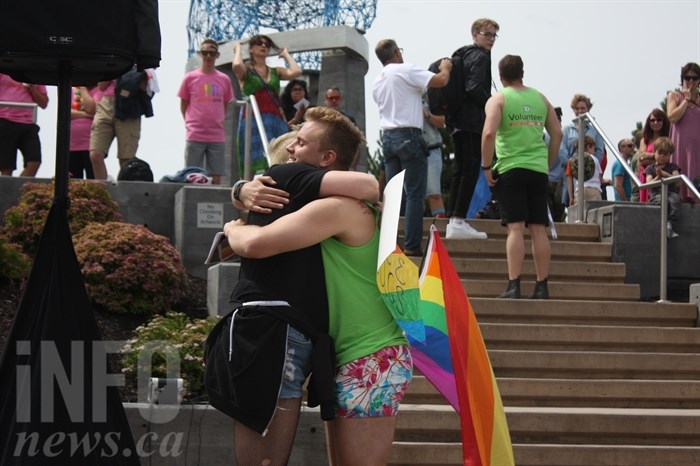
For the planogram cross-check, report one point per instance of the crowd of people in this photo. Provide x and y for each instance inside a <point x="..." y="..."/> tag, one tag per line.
<point x="306" y="301"/>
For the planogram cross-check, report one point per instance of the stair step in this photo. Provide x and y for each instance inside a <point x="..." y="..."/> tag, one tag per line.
<point x="496" y="249"/>
<point x="565" y="231"/>
<point x="594" y="364"/>
<point x="591" y="338"/>
<point x="561" y="425"/>
<point x="577" y="392"/>
<point x="448" y="454"/>
<point x="561" y="271"/>
<point x="491" y="288"/>
<point x="575" y="312"/>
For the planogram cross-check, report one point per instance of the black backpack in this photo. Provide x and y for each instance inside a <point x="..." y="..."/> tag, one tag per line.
<point x="135" y="170"/>
<point x="447" y="100"/>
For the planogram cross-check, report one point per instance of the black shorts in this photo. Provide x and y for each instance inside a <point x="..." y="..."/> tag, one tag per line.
<point x="22" y="136"/>
<point x="522" y="196"/>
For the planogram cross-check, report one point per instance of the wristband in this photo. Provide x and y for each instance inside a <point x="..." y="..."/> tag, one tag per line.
<point x="485" y="167"/>
<point x="237" y="190"/>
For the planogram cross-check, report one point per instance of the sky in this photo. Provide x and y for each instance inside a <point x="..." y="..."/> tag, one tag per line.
<point x="625" y="55"/>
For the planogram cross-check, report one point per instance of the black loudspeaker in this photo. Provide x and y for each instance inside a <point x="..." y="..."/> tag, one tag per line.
<point x="99" y="39"/>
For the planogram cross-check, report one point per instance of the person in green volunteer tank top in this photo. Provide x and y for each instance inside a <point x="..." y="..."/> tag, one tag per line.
<point x="373" y="361"/>
<point x="514" y="130"/>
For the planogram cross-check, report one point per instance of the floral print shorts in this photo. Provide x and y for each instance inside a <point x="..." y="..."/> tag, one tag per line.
<point x="373" y="386"/>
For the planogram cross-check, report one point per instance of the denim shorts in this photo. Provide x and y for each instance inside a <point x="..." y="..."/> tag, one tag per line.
<point x="434" y="171"/>
<point x="297" y="363"/>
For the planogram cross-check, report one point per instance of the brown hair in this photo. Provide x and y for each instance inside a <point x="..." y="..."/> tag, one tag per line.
<point x="581" y="98"/>
<point x="690" y="66"/>
<point x="340" y="135"/>
<point x="210" y="42"/>
<point x="481" y="23"/>
<point x="663" y="145"/>
<point x="511" y="68"/>
<point x="385" y="49"/>
<point x="258" y="37"/>
<point x="648" y="133"/>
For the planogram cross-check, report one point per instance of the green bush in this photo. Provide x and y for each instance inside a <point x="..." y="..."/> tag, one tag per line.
<point x="178" y="331"/>
<point x="89" y="202"/>
<point x="14" y="264"/>
<point x="128" y="269"/>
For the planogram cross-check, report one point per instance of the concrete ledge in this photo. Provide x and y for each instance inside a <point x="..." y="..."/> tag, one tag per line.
<point x="200" y="213"/>
<point x="221" y="279"/>
<point x="199" y="434"/>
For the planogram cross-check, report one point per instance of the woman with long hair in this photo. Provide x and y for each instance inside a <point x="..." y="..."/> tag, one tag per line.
<point x="684" y="113"/>
<point x="656" y="125"/>
<point x="257" y="78"/>
<point x="293" y="96"/>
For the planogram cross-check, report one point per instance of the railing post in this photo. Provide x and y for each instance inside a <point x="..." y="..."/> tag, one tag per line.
<point x="663" y="271"/>
<point x="246" y="146"/>
<point x="581" y="169"/>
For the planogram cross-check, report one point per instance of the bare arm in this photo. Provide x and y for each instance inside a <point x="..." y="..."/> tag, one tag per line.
<point x="42" y="100"/>
<point x="443" y="77"/>
<point x="87" y="101"/>
<point x="183" y="107"/>
<point x="293" y="70"/>
<point x="619" y="189"/>
<point x="237" y="65"/>
<point x="675" y="109"/>
<point x="555" y="133"/>
<point x="494" y="109"/>
<point x="310" y="225"/>
<point x="356" y="185"/>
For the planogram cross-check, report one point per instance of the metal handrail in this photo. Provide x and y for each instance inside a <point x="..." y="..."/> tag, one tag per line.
<point x="250" y="110"/>
<point x="31" y="105"/>
<point x="664" y="182"/>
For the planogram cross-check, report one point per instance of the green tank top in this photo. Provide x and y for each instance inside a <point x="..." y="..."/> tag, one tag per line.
<point x="359" y="321"/>
<point x="519" y="140"/>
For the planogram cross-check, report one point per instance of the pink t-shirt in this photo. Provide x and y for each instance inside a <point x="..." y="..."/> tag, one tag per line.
<point x="98" y="94"/>
<point x="13" y="91"/>
<point x="206" y="93"/>
<point x="80" y="128"/>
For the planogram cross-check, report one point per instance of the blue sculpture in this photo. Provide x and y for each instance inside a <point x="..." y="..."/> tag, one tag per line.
<point x="224" y="20"/>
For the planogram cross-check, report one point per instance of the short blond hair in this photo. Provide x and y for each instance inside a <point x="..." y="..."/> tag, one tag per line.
<point x="664" y="145"/>
<point x="340" y="135"/>
<point x="481" y="23"/>
<point x="278" y="147"/>
<point x="581" y="98"/>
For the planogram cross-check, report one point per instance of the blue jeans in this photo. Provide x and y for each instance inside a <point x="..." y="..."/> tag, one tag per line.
<point x="405" y="149"/>
<point x="297" y="363"/>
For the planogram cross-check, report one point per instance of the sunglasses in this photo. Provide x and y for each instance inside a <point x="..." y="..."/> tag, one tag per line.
<point x="208" y="53"/>
<point x="691" y="78"/>
<point x="654" y="120"/>
<point x="628" y="145"/>
<point x="261" y="43"/>
<point x="334" y="98"/>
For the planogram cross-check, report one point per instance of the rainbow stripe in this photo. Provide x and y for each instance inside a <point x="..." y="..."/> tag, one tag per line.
<point x="454" y="359"/>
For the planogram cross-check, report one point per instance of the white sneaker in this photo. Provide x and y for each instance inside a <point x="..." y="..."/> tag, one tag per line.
<point x="669" y="231"/>
<point x="459" y="229"/>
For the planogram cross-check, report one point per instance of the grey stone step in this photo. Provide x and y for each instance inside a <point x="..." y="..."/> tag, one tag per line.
<point x="561" y="425"/>
<point x="496" y="249"/>
<point x="575" y="312"/>
<point x="591" y="338"/>
<point x="448" y="454"/>
<point x="580" y="290"/>
<point x="594" y="364"/>
<point x="494" y="229"/>
<point x="578" y="392"/>
<point x="563" y="271"/>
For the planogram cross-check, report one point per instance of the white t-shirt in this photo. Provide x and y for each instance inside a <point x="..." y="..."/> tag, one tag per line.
<point x="594" y="181"/>
<point x="397" y="91"/>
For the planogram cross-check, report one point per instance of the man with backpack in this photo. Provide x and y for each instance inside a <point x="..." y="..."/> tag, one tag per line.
<point x="397" y="91"/>
<point x="467" y="122"/>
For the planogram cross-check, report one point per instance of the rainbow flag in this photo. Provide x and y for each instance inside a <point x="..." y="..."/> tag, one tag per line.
<point x="454" y="359"/>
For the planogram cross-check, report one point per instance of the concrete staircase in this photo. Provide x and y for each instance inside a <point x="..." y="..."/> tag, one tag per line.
<point x="592" y="376"/>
